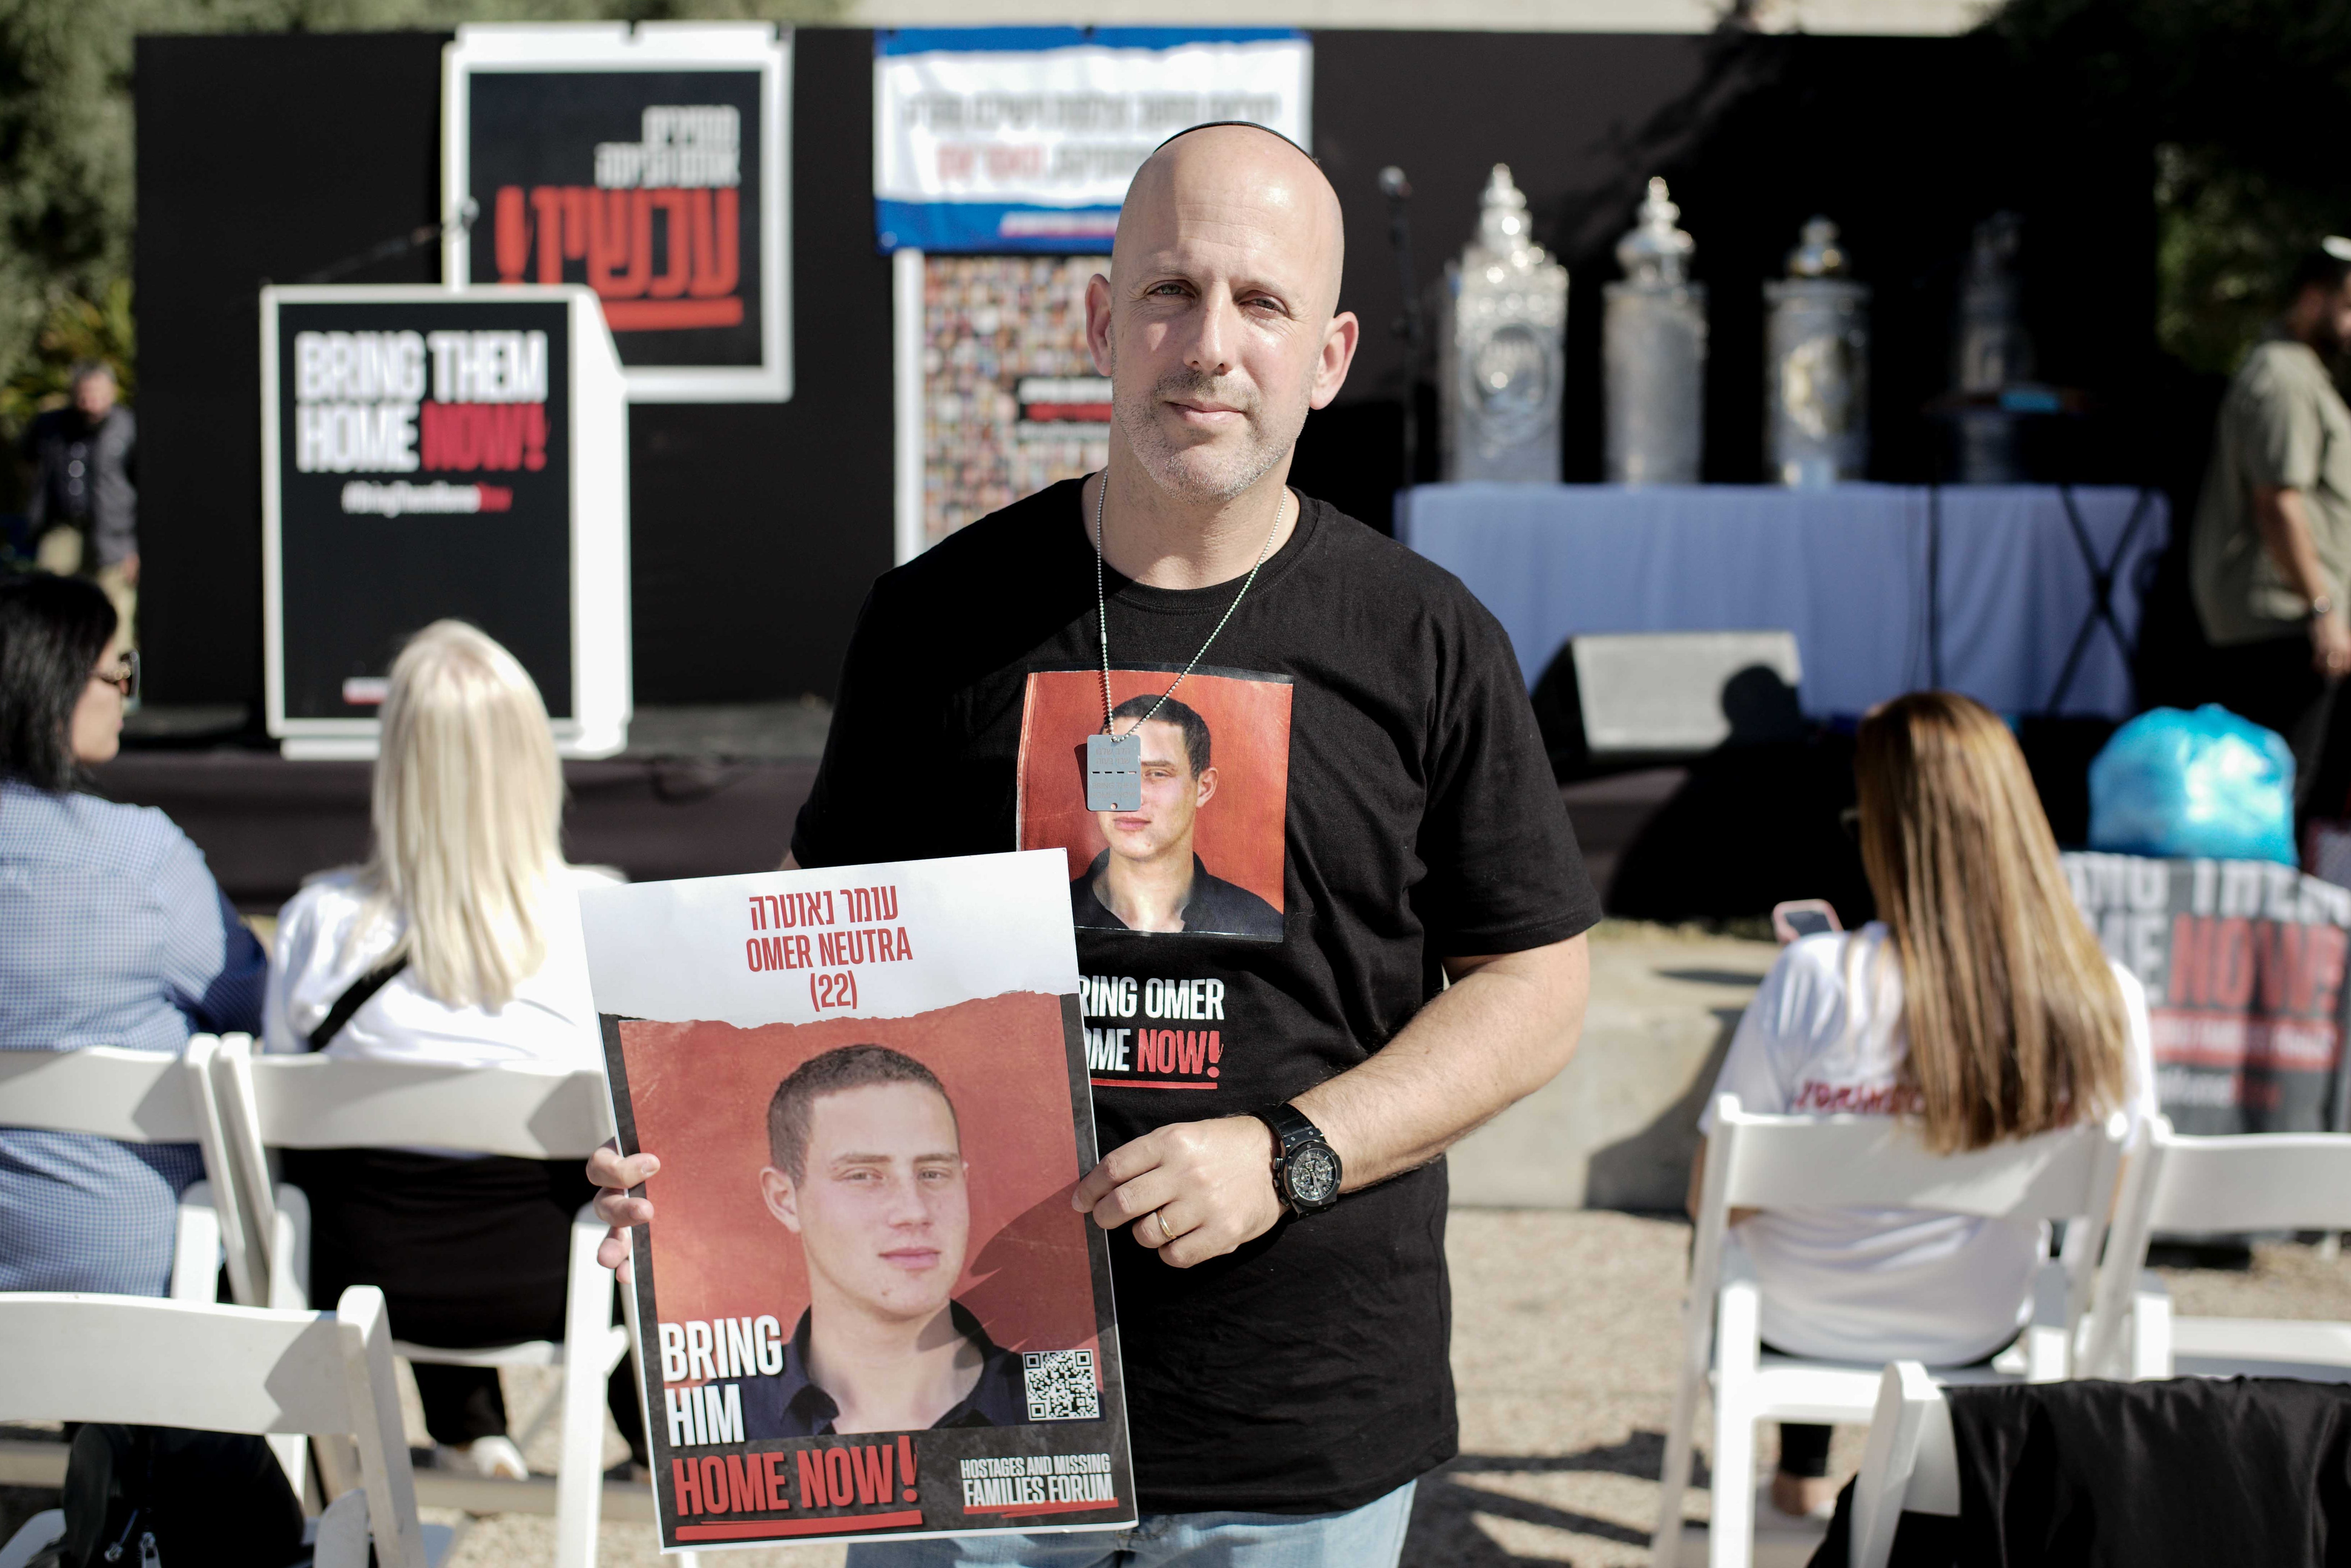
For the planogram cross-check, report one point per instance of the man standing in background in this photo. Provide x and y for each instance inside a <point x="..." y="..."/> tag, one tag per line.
<point x="2270" y="555"/>
<point x="84" y="506"/>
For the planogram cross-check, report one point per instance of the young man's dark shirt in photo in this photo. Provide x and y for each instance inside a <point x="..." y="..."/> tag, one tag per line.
<point x="1307" y="1371"/>
<point x="1215" y="908"/>
<point x="789" y="1404"/>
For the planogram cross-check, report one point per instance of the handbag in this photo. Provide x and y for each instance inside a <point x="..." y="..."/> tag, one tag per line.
<point x="166" y="1497"/>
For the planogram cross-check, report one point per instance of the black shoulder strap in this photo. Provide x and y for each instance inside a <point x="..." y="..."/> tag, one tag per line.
<point x="354" y="998"/>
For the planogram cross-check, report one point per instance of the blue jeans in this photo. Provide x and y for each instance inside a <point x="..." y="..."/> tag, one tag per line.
<point x="1371" y="1536"/>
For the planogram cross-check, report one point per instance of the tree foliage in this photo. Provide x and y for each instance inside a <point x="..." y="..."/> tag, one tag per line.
<point x="2245" y="103"/>
<point x="66" y="187"/>
<point x="75" y="331"/>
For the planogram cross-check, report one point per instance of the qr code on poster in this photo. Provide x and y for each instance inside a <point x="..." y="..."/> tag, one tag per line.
<point x="1062" y="1385"/>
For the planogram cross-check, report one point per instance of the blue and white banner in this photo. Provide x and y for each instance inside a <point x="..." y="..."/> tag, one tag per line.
<point x="1023" y="139"/>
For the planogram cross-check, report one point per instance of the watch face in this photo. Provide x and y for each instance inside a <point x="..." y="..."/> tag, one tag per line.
<point x="1313" y="1172"/>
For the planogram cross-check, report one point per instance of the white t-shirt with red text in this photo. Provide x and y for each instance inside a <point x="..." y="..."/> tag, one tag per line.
<point x="1823" y="1035"/>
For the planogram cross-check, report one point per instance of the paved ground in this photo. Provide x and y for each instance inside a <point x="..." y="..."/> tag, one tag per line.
<point x="1617" y="1129"/>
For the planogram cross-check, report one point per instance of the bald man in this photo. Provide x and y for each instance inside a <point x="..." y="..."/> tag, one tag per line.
<point x="1279" y="1229"/>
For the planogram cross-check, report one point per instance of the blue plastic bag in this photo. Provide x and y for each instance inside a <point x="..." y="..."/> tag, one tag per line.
<point x="2182" y="785"/>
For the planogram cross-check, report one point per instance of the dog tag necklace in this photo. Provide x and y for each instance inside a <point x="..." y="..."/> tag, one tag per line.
<point x="1114" y="763"/>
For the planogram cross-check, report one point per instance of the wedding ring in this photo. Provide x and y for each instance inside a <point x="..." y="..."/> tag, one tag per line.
<point x="1165" y="1233"/>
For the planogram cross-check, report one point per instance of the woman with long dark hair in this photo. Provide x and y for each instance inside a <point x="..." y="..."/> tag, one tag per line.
<point x="1978" y="1004"/>
<point x="113" y="932"/>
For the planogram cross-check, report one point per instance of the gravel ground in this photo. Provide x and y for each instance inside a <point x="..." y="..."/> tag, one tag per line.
<point x="1564" y="1349"/>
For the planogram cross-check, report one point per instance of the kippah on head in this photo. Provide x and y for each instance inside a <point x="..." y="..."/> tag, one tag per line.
<point x="840" y="1068"/>
<point x="2323" y="265"/>
<point x="1246" y="125"/>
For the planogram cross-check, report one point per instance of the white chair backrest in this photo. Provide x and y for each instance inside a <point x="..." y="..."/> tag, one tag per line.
<point x="524" y="1109"/>
<point x="155" y="1362"/>
<point x="134" y="1097"/>
<point x="1863" y="1161"/>
<point x="2190" y="1186"/>
<point x="71" y="1357"/>
<point x="1878" y="1162"/>
<point x="2256" y="1181"/>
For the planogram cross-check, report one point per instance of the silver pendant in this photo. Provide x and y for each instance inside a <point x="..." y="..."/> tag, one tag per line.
<point x="1115" y="772"/>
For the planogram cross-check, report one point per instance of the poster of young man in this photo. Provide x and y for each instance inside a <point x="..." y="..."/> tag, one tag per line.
<point x="868" y="1308"/>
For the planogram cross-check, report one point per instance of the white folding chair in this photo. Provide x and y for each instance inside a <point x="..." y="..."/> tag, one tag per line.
<point x="1911" y="1465"/>
<point x="2195" y="1185"/>
<point x="144" y="1362"/>
<point x="144" y="1096"/>
<point x="1844" y="1162"/>
<point x="525" y="1111"/>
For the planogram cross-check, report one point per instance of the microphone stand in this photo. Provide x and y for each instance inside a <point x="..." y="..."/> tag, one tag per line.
<point x="1407" y="326"/>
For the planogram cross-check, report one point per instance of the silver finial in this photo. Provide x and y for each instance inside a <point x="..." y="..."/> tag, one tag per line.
<point x="1654" y="252"/>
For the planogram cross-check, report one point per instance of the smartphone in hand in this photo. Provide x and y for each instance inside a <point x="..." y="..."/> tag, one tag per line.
<point x="1804" y="917"/>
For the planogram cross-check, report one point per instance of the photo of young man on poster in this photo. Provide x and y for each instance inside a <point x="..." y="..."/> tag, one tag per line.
<point x="868" y="1172"/>
<point x="1150" y="878"/>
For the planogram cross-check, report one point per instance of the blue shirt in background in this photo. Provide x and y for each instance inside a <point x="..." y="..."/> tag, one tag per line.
<point x="113" y="932"/>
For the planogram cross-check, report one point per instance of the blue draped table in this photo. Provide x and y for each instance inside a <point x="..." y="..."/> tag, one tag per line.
<point x="1848" y="569"/>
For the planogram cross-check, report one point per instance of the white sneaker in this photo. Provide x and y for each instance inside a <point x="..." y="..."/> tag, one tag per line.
<point x="495" y="1459"/>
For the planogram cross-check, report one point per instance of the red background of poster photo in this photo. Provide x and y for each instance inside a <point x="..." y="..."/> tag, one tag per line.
<point x="700" y="1093"/>
<point x="1238" y="834"/>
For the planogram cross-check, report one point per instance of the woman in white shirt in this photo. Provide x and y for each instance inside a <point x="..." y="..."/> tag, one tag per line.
<point x="457" y="942"/>
<point x="1980" y="1003"/>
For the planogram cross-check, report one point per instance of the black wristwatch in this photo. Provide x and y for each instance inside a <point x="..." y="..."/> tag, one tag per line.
<point x="1306" y="1171"/>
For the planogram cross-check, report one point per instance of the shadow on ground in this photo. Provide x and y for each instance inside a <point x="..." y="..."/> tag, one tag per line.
<point x="1445" y="1531"/>
<point x="1650" y="1170"/>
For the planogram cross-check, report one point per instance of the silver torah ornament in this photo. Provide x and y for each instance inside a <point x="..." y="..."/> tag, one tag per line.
<point x="1501" y="349"/>
<point x="1990" y="355"/>
<point x="1653" y="349"/>
<point x="1816" y="366"/>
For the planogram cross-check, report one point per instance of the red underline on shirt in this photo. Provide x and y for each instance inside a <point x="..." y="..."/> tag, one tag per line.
<point x="758" y="1529"/>
<point x="1041" y="1506"/>
<point x="1145" y="1084"/>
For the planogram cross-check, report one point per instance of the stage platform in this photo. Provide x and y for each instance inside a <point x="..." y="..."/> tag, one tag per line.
<point x="701" y="792"/>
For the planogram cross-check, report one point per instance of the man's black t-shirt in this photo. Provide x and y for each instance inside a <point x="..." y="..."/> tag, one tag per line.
<point x="1417" y="820"/>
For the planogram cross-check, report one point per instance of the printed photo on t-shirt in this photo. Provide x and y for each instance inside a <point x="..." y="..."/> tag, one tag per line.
<point x="1202" y="854"/>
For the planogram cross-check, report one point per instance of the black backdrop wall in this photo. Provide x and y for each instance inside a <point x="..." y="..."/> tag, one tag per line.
<point x="757" y="527"/>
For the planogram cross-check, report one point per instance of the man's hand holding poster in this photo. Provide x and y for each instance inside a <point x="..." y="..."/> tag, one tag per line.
<point x="866" y="1306"/>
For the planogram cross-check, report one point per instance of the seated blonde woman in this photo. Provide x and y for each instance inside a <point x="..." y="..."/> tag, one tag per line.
<point x="1980" y="1003"/>
<point x="457" y="942"/>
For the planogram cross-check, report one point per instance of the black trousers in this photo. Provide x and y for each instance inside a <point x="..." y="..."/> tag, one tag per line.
<point x="2272" y="682"/>
<point x="468" y="1252"/>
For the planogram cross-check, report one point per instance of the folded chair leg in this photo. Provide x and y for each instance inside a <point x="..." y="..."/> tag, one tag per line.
<point x="1664" y="1546"/>
<point x="1731" y="1534"/>
<point x="592" y="1348"/>
<point x="339" y="1464"/>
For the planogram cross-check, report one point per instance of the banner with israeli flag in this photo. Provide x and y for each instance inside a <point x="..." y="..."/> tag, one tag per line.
<point x="994" y="139"/>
